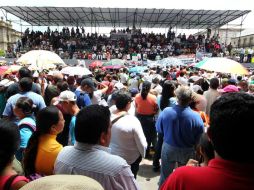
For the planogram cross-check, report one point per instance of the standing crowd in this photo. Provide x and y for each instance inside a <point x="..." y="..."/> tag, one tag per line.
<point x="194" y="125"/>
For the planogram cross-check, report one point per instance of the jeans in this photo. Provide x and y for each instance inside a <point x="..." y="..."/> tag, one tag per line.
<point x="173" y="157"/>
<point x="157" y="154"/>
<point x="148" y="126"/>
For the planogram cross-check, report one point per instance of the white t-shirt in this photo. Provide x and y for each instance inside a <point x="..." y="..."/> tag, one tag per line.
<point x="123" y="78"/>
<point x="96" y="97"/>
<point x="127" y="138"/>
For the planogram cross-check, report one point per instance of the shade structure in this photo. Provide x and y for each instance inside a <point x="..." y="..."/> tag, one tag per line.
<point x="79" y="71"/>
<point x="40" y="58"/>
<point x="170" y="61"/>
<point x="222" y="65"/>
<point x="114" y="62"/>
<point x="137" y="69"/>
<point x="96" y="64"/>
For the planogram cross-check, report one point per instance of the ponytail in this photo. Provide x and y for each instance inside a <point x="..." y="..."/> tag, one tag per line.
<point x="146" y="86"/>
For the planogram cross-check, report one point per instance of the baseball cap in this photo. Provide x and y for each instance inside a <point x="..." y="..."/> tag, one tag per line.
<point x="232" y="81"/>
<point x="67" y="95"/>
<point x="133" y="92"/>
<point x="119" y="86"/>
<point x="89" y="82"/>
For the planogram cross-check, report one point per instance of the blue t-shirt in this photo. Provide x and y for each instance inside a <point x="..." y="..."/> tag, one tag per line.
<point x="181" y="126"/>
<point x="71" y="128"/>
<point x="38" y="101"/>
<point x="28" y="127"/>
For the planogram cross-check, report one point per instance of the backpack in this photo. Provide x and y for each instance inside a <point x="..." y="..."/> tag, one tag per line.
<point x="80" y="99"/>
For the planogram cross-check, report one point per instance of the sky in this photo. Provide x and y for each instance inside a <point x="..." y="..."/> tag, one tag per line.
<point x="168" y="4"/>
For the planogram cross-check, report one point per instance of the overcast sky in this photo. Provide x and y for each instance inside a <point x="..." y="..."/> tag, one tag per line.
<point x="168" y="4"/>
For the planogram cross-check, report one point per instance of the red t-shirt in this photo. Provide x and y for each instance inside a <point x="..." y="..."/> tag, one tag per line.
<point x="218" y="175"/>
<point x="3" y="180"/>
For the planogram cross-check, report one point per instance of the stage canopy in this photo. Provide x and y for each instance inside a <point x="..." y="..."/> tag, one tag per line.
<point x="124" y="17"/>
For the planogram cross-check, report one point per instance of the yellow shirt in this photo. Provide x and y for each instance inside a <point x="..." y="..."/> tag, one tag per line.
<point x="48" y="150"/>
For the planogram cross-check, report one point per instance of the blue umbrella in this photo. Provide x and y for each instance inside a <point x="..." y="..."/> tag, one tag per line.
<point x="137" y="69"/>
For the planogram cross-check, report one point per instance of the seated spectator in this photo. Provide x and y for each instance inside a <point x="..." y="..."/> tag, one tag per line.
<point x="90" y="155"/>
<point x="128" y="139"/>
<point x="9" y="144"/>
<point x="230" y="133"/>
<point x="43" y="148"/>
<point x="24" y="111"/>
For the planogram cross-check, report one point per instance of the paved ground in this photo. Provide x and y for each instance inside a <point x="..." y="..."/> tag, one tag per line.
<point x="147" y="179"/>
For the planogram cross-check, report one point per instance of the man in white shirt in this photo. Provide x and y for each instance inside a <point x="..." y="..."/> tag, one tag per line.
<point x="90" y="155"/>
<point x="128" y="139"/>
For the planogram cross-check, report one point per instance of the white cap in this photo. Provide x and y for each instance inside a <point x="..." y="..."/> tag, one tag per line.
<point x="67" y="95"/>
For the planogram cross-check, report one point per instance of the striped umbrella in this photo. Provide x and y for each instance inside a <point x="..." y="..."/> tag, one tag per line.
<point x="222" y="65"/>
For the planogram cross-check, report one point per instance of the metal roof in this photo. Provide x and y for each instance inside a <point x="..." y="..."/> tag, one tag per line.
<point x="124" y="17"/>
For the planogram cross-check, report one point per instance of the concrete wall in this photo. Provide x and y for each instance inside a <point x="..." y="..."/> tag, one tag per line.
<point x="8" y="36"/>
<point x="244" y="41"/>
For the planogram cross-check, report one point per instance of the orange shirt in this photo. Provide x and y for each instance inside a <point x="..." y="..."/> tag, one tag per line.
<point x="146" y="107"/>
<point x="48" y="150"/>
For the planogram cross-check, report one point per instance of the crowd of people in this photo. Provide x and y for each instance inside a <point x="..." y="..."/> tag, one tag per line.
<point x="194" y="125"/>
<point x="123" y="44"/>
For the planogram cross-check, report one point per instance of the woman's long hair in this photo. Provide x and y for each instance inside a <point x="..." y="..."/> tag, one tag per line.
<point x="167" y="93"/>
<point x="44" y="120"/>
<point x="9" y="143"/>
<point x="146" y="86"/>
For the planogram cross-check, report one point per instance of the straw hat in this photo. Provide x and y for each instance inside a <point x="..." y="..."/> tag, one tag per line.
<point x="63" y="182"/>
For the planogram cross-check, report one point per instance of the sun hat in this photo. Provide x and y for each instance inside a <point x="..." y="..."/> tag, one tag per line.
<point x="229" y="88"/>
<point x="67" y="95"/>
<point x="63" y="182"/>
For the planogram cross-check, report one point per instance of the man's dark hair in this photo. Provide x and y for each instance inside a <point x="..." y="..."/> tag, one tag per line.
<point x="181" y="74"/>
<point x="91" y="122"/>
<point x="122" y="99"/>
<point x="24" y="72"/>
<point x="214" y="83"/>
<point x="231" y="130"/>
<point x="26" y="84"/>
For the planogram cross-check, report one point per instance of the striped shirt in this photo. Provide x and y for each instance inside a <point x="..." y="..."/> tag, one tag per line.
<point x="95" y="161"/>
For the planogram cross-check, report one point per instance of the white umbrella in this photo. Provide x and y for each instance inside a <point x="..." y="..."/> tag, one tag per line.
<point x="170" y="61"/>
<point x="40" y="67"/>
<point x="40" y="58"/>
<point x="79" y="71"/>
